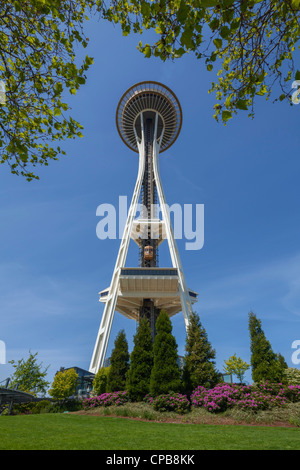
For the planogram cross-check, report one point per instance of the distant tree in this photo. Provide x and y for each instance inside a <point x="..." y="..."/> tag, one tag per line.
<point x="165" y="374"/>
<point x="119" y="364"/>
<point x="100" y="381"/>
<point x="64" y="384"/>
<point x="266" y="365"/>
<point x="236" y="366"/>
<point x="29" y="376"/>
<point x="141" y="362"/>
<point x="199" y="368"/>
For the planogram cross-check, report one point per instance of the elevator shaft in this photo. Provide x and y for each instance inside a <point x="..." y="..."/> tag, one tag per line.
<point x="148" y="244"/>
<point x="148" y="198"/>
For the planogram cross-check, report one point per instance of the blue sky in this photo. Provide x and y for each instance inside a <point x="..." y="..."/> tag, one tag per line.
<point x="246" y="174"/>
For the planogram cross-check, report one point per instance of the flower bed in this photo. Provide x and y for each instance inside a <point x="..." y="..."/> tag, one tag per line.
<point x="106" y="399"/>
<point x="251" y="397"/>
<point x="220" y="398"/>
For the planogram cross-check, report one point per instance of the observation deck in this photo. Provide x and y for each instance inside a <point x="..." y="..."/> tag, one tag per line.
<point x="148" y="98"/>
<point x="158" y="284"/>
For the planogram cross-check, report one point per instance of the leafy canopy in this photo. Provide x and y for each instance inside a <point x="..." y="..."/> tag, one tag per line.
<point x="37" y="65"/>
<point x="250" y="42"/>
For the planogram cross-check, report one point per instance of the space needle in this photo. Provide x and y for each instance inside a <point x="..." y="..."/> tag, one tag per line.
<point x="148" y="119"/>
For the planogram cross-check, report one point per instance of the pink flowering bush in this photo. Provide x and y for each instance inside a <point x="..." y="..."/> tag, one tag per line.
<point x="247" y="397"/>
<point x="216" y="399"/>
<point x="170" y="402"/>
<point x="148" y="399"/>
<point x="106" y="399"/>
<point x="293" y="393"/>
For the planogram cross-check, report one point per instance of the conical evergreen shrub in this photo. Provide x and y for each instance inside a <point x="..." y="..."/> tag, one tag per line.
<point x="266" y="365"/>
<point x="119" y="364"/>
<point x="199" y="368"/>
<point x="165" y="375"/>
<point x="141" y="362"/>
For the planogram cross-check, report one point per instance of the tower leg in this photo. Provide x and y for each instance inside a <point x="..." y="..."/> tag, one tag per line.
<point x="109" y="309"/>
<point x="183" y="291"/>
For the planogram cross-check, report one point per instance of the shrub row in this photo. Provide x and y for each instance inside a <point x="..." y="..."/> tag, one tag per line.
<point x="46" y="406"/>
<point x="221" y="397"/>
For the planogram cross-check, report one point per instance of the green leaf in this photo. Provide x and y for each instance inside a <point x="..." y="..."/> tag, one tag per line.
<point x="186" y="38"/>
<point x="145" y="9"/>
<point x="218" y="43"/>
<point x="209" y="3"/>
<point x="228" y="101"/>
<point x="214" y="24"/>
<point x="225" y="31"/>
<point x="182" y="12"/>
<point x="263" y="90"/>
<point x="89" y="60"/>
<point x="147" y="51"/>
<point x="226" y="115"/>
<point x="179" y="52"/>
<point x="242" y="104"/>
<point x="17" y="6"/>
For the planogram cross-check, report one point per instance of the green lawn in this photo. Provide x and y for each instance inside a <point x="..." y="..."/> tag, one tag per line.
<point x="75" y="432"/>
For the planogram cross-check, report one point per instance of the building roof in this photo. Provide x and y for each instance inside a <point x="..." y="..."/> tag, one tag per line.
<point x="8" y="395"/>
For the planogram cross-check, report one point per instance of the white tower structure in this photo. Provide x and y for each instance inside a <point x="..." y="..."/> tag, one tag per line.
<point x="148" y="119"/>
